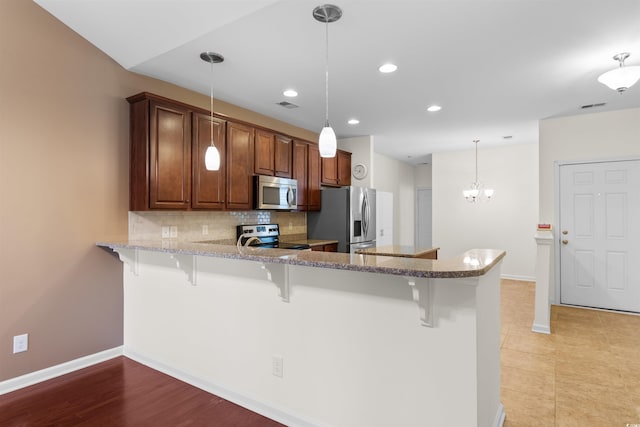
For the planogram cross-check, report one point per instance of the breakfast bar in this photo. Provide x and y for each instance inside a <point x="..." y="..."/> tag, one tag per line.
<point x="312" y="338"/>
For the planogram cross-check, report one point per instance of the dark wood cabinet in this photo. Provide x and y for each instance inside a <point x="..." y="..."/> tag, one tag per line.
<point x="160" y="162"/>
<point x="168" y="144"/>
<point x="306" y="169"/>
<point x="300" y="155"/>
<point x="330" y="171"/>
<point x="208" y="188"/>
<point x="239" y="166"/>
<point x="282" y="156"/>
<point x="336" y="171"/>
<point x="263" y="152"/>
<point x="272" y="154"/>
<point x="344" y="167"/>
<point x="314" y="199"/>
<point x="329" y="247"/>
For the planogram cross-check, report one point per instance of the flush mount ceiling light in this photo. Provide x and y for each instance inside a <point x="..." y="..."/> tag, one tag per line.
<point x="476" y="190"/>
<point x="621" y="78"/>
<point x="290" y="93"/>
<point x="212" y="155"/>
<point x="327" y="143"/>
<point x="353" y="121"/>
<point x="434" y="108"/>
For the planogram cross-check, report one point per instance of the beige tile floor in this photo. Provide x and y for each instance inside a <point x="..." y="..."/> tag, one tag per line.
<point x="586" y="373"/>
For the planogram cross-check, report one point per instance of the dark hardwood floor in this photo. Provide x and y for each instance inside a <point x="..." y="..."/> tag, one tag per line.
<point x="121" y="392"/>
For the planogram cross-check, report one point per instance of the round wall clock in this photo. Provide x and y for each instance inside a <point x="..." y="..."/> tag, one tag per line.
<point x="359" y="171"/>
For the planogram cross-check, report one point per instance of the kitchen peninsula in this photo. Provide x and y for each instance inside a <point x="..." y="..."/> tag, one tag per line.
<point x="320" y="338"/>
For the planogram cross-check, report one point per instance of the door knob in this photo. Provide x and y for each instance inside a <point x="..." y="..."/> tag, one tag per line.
<point x="565" y="232"/>
<point x="564" y="242"/>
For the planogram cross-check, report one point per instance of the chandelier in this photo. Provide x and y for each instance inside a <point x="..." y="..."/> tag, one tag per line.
<point x="476" y="190"/>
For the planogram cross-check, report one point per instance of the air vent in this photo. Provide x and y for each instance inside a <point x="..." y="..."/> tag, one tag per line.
<point x="286" y="104"/>
<point x="507" y="137"/>
<point x="600" y="104"/>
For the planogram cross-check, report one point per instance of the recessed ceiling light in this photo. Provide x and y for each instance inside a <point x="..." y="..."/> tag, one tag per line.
<point x="434" y="108"/>
<point x="353" y="121"/>
<point x="388" y="68"/>
<point x="290" y="93"/>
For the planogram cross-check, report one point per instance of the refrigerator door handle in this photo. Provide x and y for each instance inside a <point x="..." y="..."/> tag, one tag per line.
<point x="365" y="214"/>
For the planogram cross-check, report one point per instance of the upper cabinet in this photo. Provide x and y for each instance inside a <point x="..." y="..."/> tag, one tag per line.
<point x="169" y="140"/>
<point x="160" y="165"/>
<point x="336" y="171"/>
<point x="239" y="166"/>
<point x="306" y="170"/>
<point x="208" y="188"/>
<point x="272" y="154"/>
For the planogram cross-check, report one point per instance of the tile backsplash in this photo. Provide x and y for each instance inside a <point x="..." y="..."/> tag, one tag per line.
<point x="219" y="225"/>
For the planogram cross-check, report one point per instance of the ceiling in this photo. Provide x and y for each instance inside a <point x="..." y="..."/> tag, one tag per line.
<point x="495" y="66"/>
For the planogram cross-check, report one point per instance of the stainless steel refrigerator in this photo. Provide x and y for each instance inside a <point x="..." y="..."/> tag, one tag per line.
<point x="348" y="215"/>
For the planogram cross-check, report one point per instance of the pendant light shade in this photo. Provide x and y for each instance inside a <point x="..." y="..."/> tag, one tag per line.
<point x="621" y="78"/>
<point x="212" y="155"/>
<point x="327" y="143"/>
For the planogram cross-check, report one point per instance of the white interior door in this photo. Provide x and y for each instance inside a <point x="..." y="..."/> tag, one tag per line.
<point x="600" y="235"/>
<point x="423" y="219"/>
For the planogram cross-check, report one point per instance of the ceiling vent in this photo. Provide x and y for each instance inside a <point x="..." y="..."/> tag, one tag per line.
<point x="600" y="104"/>
<point x="286" y="104"/>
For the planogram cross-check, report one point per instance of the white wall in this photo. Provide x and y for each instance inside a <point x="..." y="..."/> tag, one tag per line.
<point x="397" y="177"/>
<point x="597" y="136"/>
<point x="423" y="175"/>
<point x="507" y="222"/>
<point x="361" y="149"/>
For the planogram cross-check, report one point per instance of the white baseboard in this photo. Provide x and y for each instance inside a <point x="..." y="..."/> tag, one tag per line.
<point x="500" y="416"/>
<point x="516" y="277"/>
<point x="280" y="415"/>
<point x="57" y="370"/>
<point x="541" y="329"/>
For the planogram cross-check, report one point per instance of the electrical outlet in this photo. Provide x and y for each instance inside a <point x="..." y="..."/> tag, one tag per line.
<point x="21" y="343"/>
<point x="277" y="366"/>
<point x="173" y="231"/>
<point x="165" y="232"/>
<point x="205" y="229"/>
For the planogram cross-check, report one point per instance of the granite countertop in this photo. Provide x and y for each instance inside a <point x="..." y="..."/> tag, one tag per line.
<point x="472" y="263"/>
<point x="397" y="250"/>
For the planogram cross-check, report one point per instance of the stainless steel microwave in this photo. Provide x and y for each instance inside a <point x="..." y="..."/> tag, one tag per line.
<point x="275" y="193"/>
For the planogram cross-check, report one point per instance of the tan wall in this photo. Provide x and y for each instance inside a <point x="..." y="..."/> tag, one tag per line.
<point x="64" y="185"/>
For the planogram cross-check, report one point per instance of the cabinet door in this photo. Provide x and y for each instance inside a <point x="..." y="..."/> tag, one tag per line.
<point x="329" y="171"/>
<point x="282" y="156"/>
<point x="314" y="199"/>
<point x="299" y="169"/>
<point x="208" y="187"/>
<point x="344" y="167"/>
<point x="170" y="154"/>
<point x="239" y="166"/>
<point x="263" y="152"/>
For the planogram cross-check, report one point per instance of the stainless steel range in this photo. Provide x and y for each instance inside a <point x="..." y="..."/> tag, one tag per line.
<point x="264" y="236"/>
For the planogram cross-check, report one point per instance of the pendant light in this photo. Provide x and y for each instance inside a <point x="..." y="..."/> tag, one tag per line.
<point x="621" y="78"/>
<point x="476" y="191"/>
<point x="327" y="143"/>
<point x="212" y="155"/>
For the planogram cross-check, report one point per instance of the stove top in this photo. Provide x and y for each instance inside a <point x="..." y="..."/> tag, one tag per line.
<point x="265" y="236"/>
